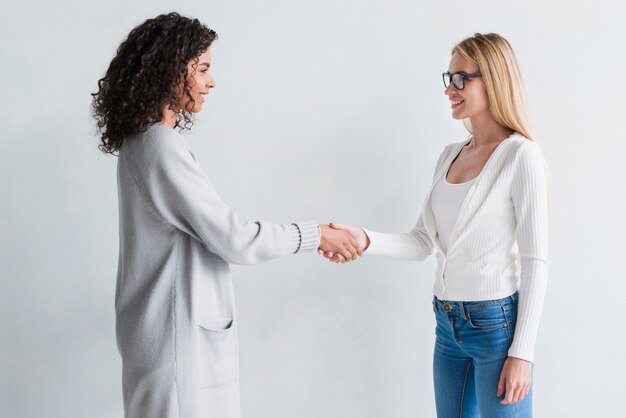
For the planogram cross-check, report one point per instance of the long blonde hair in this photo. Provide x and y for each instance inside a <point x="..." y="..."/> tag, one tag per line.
<point x="502" y="79"/>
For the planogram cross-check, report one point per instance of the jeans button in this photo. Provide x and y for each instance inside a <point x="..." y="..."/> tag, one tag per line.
<point x="446" y="307"/>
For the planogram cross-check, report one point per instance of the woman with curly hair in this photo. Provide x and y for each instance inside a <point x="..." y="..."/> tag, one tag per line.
<point x="486" y="214"/>
<point x="174" y="302"/>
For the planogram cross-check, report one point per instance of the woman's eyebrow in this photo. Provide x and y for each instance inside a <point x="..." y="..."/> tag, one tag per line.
<point x="208" y="64"/>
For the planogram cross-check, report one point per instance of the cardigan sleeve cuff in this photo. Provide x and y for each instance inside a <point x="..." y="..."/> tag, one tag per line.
<point x="376" y="239"/>
<point x="525" y="353"/>
<point x="306" y="237"/>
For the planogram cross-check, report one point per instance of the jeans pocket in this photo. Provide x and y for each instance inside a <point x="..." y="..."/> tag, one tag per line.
<point x="217" y="352"/>
<point x="488" y="318"/>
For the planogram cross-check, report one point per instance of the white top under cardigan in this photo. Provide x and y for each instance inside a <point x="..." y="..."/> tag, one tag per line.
<point x="174" y="302"/>
<point x="499" y="243"/>
<point x="446" y="202"/>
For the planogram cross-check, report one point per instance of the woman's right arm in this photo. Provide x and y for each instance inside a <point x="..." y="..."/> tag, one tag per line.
<point x="415" y="245"/>
<point x="179" y="193"/>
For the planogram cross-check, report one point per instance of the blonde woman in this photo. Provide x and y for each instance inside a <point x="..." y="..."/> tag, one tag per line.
<point x="486" y="214"/>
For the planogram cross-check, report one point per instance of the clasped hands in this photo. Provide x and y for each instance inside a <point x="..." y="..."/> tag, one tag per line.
<point x="342" y="243"/>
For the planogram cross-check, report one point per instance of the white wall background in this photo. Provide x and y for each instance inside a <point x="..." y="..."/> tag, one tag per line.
<point x="332" y="110"/>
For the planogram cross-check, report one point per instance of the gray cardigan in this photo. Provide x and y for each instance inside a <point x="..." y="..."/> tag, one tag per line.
<point x="174" y="302"/>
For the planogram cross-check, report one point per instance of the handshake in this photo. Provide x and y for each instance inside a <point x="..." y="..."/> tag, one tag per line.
<point x="342" y="243"/>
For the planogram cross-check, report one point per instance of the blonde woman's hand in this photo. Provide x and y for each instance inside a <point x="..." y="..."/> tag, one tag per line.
<point x="515" y="380"/>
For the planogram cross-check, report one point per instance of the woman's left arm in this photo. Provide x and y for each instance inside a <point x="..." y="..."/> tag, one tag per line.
<point x="529" y="193"/>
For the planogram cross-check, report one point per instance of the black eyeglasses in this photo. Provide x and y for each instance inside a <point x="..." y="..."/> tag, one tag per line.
<point x="458" y="79"/>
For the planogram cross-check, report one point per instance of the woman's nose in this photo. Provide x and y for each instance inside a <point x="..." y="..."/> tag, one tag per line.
<point x="450" y="90"/>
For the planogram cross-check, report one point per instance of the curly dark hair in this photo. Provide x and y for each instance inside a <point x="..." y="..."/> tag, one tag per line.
<point x="145" y="75"/>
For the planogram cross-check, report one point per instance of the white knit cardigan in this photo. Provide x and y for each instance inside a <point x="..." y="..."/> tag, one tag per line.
<point x="499" y="243"/>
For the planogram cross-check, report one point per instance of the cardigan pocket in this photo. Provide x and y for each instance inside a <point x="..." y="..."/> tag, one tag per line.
<point x="217" y="352"/>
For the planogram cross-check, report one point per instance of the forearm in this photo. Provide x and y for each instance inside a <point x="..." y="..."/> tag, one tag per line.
<point x="531" y="298"/>
<point x="256" y="242"/>
<point x="404" y="246"/>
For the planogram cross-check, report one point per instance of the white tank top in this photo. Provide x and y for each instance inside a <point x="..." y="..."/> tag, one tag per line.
<point x="446" y="201"/>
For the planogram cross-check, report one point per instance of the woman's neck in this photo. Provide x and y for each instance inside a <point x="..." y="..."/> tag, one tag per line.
<point x="486" y="131"/>
<point x="169" y="117"/>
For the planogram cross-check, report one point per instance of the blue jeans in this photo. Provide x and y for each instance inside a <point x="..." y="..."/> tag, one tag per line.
<point x="472" y="340"/>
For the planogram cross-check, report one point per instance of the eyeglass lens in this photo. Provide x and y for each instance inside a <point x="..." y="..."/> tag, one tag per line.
<point x="457" y="79"/>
